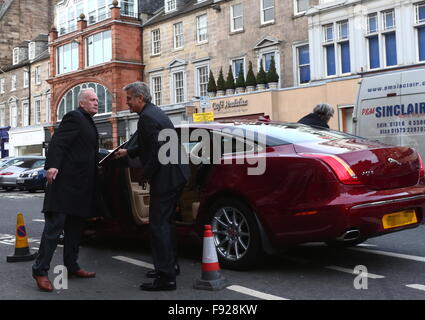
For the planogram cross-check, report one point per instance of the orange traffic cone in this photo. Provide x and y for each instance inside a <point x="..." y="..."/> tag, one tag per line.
<point x="22" y="251"/>
<point x="211" y="278"/>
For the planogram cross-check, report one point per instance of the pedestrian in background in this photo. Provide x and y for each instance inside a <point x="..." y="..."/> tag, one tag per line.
<point x="320" y="116"/>
<point x="71" y="165"/>
<point x="166" y="185"/>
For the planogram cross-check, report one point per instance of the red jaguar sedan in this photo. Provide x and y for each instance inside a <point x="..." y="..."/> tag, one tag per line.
<point x="264" y="185"/>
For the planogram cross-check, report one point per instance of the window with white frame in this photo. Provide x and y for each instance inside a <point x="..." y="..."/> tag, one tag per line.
<point x="31" y="50"/>
<point x="303" y="64"/>
<point x="37" y="111"/>
<point x="236" y="16"/>
<point x="202" y="74"/>
<point x="26" y="79"/>
<point x="178" y="35"/>
<point x="13" y="82"/>
<point x="170" y="5"/>
<point x="300" y="6"/>
<point x="267" y="11"/>
<point x="266" y="60"/>
<point x="38" y="75"/>
<point x="381" y="39"/>
<point x="15" y="56"/>
<point x="420" y="30"/>
<point x="97" y="10"/>
<point x="25" y="113"/>
<point x="336" y="47"/>
<point x="202" y="28"/>
<point x="99" y="48"/>
<point x="67" y="58"/>
<point x="128" y="8"/>
<point x="156" y="42"/>
<point x="2" y="115"/>
<point x="156" y="85"/>
<point x="2" y="82"/>
<point x="13" y="114"/>
<point x="179" y="86"/>
<point x="238" y="65"/>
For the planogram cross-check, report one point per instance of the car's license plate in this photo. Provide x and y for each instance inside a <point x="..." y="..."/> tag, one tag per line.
<point x="19" y="180"/>
<point x="398" y="219"/>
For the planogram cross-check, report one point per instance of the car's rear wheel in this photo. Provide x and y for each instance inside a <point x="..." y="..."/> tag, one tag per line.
<point x="236" y="234"/>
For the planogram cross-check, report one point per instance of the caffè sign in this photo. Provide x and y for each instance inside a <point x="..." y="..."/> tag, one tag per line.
<point x="227" y="105"/>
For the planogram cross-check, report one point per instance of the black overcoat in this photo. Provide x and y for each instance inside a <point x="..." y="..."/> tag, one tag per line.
<point x="313" y="119"/>
<point x="163" y="178"/>
<point x="73" y="150"/>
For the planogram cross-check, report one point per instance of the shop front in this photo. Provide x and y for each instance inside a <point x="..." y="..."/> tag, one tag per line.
<point x="26" y="141"/>
<point x="4" y="142"/>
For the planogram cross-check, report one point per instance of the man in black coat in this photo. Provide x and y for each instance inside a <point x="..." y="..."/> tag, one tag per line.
<point x="71" y="164"/>
<point x="320" y="116"/>
<point x="166" y="184"/>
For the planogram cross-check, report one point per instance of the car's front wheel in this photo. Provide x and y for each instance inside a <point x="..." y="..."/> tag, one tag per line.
<point x="236" y="234"/>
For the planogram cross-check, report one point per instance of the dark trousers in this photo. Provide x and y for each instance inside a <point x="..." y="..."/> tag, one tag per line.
<point x="162" y="231"/>
<point x="55" y="223"/>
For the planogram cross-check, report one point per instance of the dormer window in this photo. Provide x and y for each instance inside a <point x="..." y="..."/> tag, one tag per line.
<point x="31" y="51"/>
<point x="15" y="56"/>
<point x="170" y="5"/>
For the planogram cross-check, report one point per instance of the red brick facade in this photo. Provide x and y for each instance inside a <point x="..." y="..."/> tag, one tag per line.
<point x="125" y="66"/>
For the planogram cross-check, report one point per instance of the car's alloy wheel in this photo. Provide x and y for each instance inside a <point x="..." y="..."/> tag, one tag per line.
<point x="236" y="234"/>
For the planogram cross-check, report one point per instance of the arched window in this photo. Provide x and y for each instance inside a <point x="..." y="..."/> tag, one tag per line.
<point x="69" y="101"/>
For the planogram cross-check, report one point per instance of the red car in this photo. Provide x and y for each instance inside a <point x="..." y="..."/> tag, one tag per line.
<point x="311" y="184"/>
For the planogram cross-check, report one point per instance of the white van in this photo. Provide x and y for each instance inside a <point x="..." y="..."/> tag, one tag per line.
<point x="390" y="108"/>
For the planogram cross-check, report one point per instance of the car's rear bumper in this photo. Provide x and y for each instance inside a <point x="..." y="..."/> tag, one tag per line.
<point x="30" y="183"/>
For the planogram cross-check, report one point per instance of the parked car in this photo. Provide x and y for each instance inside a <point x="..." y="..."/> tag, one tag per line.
<point x="318" y="185"/>
<point x="10" y="174"/>
<point x="32" y="180"/>
<point x="9" y="161"/>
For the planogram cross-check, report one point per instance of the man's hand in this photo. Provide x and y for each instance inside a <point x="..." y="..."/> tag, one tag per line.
<point x="120" y="153"/>
<point x="51" y="175"/>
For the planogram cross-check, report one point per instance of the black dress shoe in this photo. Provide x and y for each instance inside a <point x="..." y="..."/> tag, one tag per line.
<point x="154" y="274"/>
<point x="159" y="284"/>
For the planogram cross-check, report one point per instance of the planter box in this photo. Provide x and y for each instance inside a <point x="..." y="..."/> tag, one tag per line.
<point x="220" y="92"/>
<point x="240" y="89"/>
<point x="261" y="86"/>
<point x="250" y="88"/>
<point x="273" y="85"/>
<point x="230" y="92"/>
<point x="212" y="94"/>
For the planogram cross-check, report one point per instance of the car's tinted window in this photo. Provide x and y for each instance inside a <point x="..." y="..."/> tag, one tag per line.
<point x="290" y="133"/>
<point x="27" y="163"/>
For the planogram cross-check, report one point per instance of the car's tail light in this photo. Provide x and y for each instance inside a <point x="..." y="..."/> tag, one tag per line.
<point x="6" y="174"/>
<point x="422" y="169"/>
<point x="342" y="170"/>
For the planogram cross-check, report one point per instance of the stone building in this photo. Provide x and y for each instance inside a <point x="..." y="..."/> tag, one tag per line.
<point x="20" y="21"/>
<point x="188" y="38"/>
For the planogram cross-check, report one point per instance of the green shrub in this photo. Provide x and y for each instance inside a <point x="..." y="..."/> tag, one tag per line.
<point x="272" y="75"/>
<point x="230" y="81"/>
<point x="221" y="84"/>
<point x="261" y="75"/>
<point x="250" y="77"/>
<point x="212" y="87"/>
<point x="240" y="81"/>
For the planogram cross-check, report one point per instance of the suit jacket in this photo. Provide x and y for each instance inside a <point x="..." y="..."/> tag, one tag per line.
<point x="74" y="152"/>
<point x="313" y="119"/>
<point x="163" y="178"/>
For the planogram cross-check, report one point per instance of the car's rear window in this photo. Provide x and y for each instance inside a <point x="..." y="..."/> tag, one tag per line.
<point x="291" y="133"/>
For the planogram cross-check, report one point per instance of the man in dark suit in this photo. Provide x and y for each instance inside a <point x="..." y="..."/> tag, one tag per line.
<point x="71" y="173"/>
<point x="166" y="184"/>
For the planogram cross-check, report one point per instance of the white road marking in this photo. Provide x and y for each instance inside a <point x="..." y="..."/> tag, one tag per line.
<point x="351" y="271"/>
<point x="366" y="245"/>
<point x="391" y="254"/>
<point x="38" y="220"/>
<point x="254" y="293"/>
<point x="135" y="262"/>
<point x="416" y="286"/>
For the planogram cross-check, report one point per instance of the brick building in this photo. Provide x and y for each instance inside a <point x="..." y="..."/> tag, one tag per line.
<point x="98" y="45"/>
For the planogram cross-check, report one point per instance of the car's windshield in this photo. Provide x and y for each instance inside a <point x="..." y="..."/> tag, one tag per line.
<point x="28" y="163"/>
